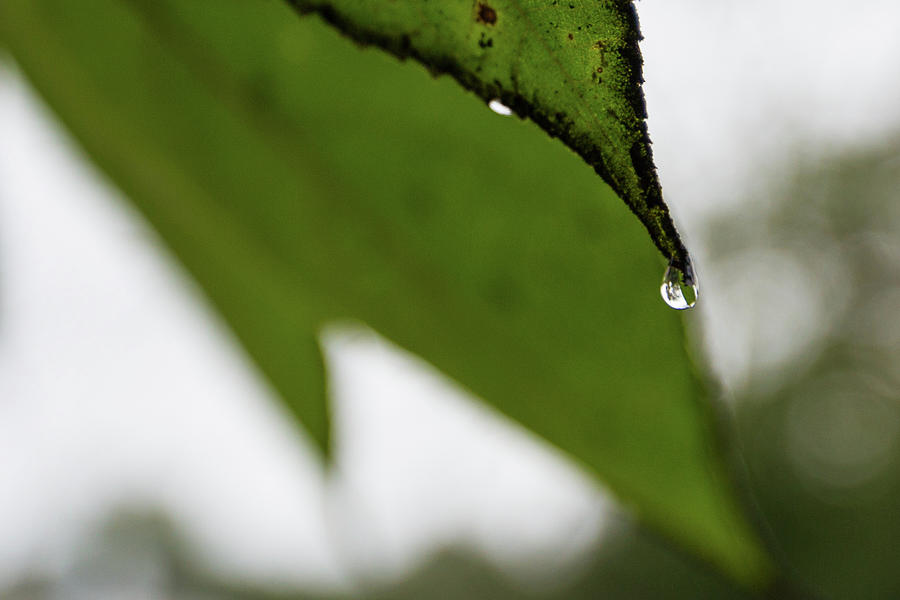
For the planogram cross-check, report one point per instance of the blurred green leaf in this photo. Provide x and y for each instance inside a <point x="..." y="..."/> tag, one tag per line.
<point x="302" y="181"/>
<point x="572" y="67"/>
<point x="821" y="429"/>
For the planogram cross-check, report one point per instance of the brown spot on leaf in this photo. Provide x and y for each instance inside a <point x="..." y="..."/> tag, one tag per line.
<point x="486" y="14"/>
<point x="571" y="37"/>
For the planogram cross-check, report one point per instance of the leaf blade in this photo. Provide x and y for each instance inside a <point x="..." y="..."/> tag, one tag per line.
<point x="374" y="208"/>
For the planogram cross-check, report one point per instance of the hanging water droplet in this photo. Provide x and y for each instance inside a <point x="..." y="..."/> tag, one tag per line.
<point x="499" y="108"/>
<point x="679" y="287"/>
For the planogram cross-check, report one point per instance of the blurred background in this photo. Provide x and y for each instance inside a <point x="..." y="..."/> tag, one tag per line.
<point x="168" y="471"/>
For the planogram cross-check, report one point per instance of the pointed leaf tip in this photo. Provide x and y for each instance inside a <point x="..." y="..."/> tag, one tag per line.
<point x="574" y="68"/>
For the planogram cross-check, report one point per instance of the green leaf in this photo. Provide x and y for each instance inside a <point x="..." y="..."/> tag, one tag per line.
<point x="301" y="181"/>
<point x="572" y="67"/>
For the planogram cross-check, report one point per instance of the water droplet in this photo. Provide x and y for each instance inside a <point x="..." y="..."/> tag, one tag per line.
<point x="679" y="287"/>
<point x="499" y="108"/>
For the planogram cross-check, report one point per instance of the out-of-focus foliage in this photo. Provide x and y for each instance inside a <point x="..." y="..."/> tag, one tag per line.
<point x="137" y="555"/>
<point x="822" y="430"/>
<point x="301" y="180"/>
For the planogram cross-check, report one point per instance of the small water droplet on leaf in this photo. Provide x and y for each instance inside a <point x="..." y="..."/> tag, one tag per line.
<point x="679" y="287"/>
<point x="499" y="108"/>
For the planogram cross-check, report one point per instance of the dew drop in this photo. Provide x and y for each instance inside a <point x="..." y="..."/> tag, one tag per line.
<point x="499" y="108"/>
<point x="679" y="288"/>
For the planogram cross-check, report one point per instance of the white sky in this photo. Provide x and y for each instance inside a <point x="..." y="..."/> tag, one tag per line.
<point x="737" y="93"/>
<point x="89" y="419"/>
